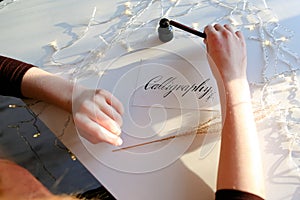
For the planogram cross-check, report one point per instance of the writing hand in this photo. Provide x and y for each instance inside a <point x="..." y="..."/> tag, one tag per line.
<point x="97" y="116"/>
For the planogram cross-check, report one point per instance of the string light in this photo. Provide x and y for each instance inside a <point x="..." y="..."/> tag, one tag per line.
<point x="274" y="19"/>
<point x="128" y="12"/>
<point x="283" y="39"/>
<point x="127" y="4"/>
<point x="16" y="106"/>
<point x="267" y="43"/>
<point x="250" y="27"/>
<point x="36" y="135"/>
<point x="234" y="22"/>
<point x="128" y="7"/>
<point x="73" y="157"/>
<point x="195" y="25"/>
<point x="54" y="45"/>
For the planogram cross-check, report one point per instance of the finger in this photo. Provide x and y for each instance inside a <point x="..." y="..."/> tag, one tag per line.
<point x="112" y="113"/>
<point x="108" y="109"/>
<point x="209" y="29"/>
<point x="218" y="27"/>
<point x="104" y="120"/>
<point x="205" y="41"/>
<point x="229" y="28"/>
<point x="207" y="46"/>
<point x="240" y="35"/>
<point x="95" y="133"/>
<point x="111" y="100"/>
<point x="94" y="112"/>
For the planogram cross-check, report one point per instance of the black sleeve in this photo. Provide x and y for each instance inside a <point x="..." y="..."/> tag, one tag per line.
<point x="11" y="75"/>
<point x="227" y="194"/>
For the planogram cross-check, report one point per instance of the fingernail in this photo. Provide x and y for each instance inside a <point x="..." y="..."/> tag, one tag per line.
<point x="119" y="142"/>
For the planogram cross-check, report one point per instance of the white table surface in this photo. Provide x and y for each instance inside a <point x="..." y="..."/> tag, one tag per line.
<point x="67" y="32"/>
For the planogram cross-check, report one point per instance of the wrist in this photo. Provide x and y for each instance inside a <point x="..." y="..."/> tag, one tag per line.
<point x="237" y="91"/>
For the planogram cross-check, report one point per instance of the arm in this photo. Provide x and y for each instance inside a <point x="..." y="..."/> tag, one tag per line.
<point x="18" y="183"/>
<point x="41" y="85"/>
<point x="97" y="113"/>
<point x="240" y="166"/>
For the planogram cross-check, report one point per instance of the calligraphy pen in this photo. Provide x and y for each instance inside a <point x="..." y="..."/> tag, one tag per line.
<point x="165" y="30"/>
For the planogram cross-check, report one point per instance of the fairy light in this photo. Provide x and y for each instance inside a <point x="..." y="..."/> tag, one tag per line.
<point x="128" y="7"/>
<point x="282" y="114"/>
<point x="54" y="45"/>
<point x="128" y="12"/>
<point x="267" y="43"/>
<point x="274" y="19"/>
<point x="16" y="106"/>
<point x="250" y="27"/>
<point x="17" y="127"/>
<point x="129" y="48"/>
<point x="73" y="157"/>
<point x="36" y="135"/>
<point x="195" y="25"/>
<point x="234" y="22"/>
<point x="283" y="39"/>
<point x="127" y="4"/>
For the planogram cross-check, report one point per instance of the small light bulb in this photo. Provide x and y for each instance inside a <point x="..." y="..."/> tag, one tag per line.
<point x="274" y="19"/>
<point x="128" y="12"/>
<point x="195" y="25"/>
<point x="267" y="43"/>
<point x="129" y="49"/>
<point x="54" y="45"/>
<point x="36" y="135"/>
<point x="283" y="39"/>
<point x="250" y="27"/>
<point x="234" y="22"/>
<point x="73" y="157"/>
<point x="127" y="4"/>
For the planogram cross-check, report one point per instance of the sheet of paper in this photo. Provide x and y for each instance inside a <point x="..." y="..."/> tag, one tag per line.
<point x="167" y="94"/>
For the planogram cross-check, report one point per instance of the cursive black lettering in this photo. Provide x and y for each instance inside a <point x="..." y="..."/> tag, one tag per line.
<point x="170" y="86"/>
<point x="155" y="79"/>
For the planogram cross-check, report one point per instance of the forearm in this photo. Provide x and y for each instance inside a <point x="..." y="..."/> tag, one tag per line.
<point x="39" y="84"/>
<point x="240" y="163"/>
<point x="97" y="113"/>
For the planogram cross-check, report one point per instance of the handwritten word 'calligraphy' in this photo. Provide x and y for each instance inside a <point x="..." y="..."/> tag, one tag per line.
<point x="169" y="85"/>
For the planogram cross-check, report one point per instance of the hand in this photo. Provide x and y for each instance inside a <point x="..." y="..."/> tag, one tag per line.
<point x="97" y="116"/>
<point x="97" y="113"/>
<point x="227" y="52"/>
